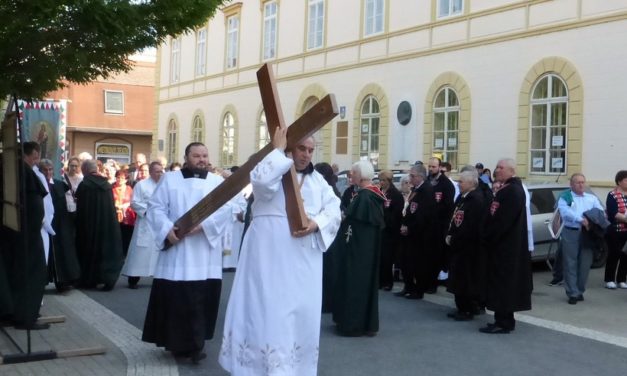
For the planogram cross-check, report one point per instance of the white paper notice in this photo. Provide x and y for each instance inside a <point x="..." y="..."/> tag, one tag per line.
<point x="439" y="143"/>
<point x="557" y="162"/>
<point x="364" y="145"/>
<point x="452" y="142"/>
<point x="557" y="141"/>
<point x="364" y="128"/>
<point x="538" y="162"/>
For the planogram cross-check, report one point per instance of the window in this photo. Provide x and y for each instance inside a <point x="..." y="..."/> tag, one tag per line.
<point x="228" y="141"/>
<point x="341" y="137"/>
<point x="447" y="8"/>
<point x="172" y="154"/>
<point x="446" y="126"/>
<point x="201" y="52"/>
<point x="315" y="28"/>
<point x="269" y="29"/>
<point x="114" y="101"/>
<point x="198" y="130"/>
<point x="175" y="60"/>
<point x="369" y="131"/>
<point x="232" y="40"/>
<point x="263" y="137"/>
<point x="374" y="17"/>
<point x="549" y="120"/>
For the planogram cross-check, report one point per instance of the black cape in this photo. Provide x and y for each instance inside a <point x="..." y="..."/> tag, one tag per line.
<point x="98" y="238"/>
<point x="62" y="263"/>
<point x="509" y="280"/>
<point x="355" y="303"/>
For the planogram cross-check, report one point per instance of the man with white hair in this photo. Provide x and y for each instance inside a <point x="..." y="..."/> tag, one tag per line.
<point x="509" y="283"/>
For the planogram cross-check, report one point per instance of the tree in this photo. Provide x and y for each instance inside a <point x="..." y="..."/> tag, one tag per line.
<point x="45" y="43"/>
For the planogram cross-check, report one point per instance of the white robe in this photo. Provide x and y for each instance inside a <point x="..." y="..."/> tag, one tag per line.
<point x="196" y="257"/>
<point x="272" y="323"/>
<point x="46" y="226"/>
<point x="142" y="251"/>
<point x="233" y="235"/>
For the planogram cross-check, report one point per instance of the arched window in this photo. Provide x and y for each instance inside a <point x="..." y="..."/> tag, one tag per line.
<point x="172" y="149"/>
<point x="549" y="120"/>
<point x="227" y="158"/>
<point x="369" y="131"/>
<point x="198" y="130"/>
<point x="263" y="137"/>
<point x="446" y="126"/>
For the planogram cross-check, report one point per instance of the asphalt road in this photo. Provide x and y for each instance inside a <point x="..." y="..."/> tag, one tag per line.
<point x="416" y="338"/>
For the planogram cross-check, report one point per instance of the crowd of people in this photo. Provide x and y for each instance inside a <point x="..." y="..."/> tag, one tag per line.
<point x="101" y="220"/>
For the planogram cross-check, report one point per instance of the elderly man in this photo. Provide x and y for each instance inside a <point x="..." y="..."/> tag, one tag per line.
<point x="509" y="281"/>
<point x="134" y="169"/>
<point x="576" y="252"/>
<point x="98" y="237"/>
<point x="142" y="252"/>
<point x="463" y="237"/>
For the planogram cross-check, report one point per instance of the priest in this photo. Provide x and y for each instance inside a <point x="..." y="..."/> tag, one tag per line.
<point x="183" y="305"/>
<point x="272" y="323"/>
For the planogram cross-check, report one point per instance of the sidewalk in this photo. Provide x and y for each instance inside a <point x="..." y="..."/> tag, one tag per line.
<point x="600" y="317"/>
<point x="88" y="324"/>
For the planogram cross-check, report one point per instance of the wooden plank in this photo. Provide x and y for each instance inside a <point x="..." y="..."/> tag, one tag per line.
<point x="302" y="128"/>
<point x="82" y="351"/>
<point x="51" y="319"/>
<point x="296" y="216"/>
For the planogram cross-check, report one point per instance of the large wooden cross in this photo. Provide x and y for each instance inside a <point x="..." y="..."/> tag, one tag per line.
<point x="305" y="126"/>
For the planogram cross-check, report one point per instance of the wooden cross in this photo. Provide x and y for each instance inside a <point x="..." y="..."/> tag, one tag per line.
<point x="305" y="126"/>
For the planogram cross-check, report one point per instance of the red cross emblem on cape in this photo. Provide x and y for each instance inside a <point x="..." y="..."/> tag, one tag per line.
<point x="495" y="205"/>
<point x="413" y="207"/>
<point x="438" y="196"/>
<point x="458" y="218"/>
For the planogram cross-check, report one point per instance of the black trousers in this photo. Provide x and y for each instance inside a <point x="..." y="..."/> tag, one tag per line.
<point x="616" y="266"/>
<point x="504" y="320"/>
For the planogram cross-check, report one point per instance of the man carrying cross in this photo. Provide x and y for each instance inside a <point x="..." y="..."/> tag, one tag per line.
<point x="272" y="323"/>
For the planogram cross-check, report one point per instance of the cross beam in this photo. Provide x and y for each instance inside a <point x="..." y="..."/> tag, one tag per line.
<point x="301" y="129"/>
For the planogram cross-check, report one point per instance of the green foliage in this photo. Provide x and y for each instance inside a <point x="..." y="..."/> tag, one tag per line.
<point x="44" y="42"/>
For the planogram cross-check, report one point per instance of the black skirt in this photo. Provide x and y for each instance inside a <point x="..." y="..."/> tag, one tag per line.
<point x="182" y="314"/>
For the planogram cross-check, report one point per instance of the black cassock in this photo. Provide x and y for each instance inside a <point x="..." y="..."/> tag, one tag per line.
<point x="62" y="261"/>
<point x="509" y="280"/>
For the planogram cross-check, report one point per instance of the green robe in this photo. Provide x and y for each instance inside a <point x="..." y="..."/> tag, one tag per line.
<point x="63" y="262"/>
<point x="357" y="254"/>
<point x="98" y="238"/>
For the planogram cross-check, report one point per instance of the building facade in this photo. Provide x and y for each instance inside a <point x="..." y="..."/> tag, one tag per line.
<point x="466" y="80"/>
<point x="112" y="118"/>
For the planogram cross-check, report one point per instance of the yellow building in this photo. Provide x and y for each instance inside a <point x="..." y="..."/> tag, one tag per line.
<point x="471" y="81"/>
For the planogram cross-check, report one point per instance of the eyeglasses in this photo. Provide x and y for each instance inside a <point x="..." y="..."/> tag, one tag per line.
<point x="74" y="165"/>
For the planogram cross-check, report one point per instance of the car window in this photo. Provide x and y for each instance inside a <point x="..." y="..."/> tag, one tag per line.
<point x="543" y="200"/>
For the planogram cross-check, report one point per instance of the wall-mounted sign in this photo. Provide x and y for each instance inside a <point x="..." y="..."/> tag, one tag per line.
<point x="403" y="113"/>
<point x="118" y="152"/>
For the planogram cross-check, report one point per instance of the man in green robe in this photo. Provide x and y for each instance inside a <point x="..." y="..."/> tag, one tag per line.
<point x="98" y="238"/>
<point x="356" y="298"/>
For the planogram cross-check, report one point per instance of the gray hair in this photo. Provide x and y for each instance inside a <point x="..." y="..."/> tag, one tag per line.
<point x="509" y="162"/>
<point x="365" y="169"/>
<point x="470" y="176"/>
<point x="468" y="168"/>
<point x="405" y="179"/>
<point x="45" y="163"/>
<point x="419" y="170"/>
<point x="89" y="166"/>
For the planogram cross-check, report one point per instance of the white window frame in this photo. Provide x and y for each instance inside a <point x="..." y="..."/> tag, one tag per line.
<point x="315" y="24"/>
<point x="365" y="121"/>
<point x="270" y="29"/>
<point x="446" y="149"/>
<point x="172" y="141"/>
<point x="263" y="136"/>
<point x="232" y="41"/>
<point x="107" y="103"/>
<point x="198" y="129"/>
<point x="549" y="101"/>
<point x="450" y="8"/>
<point x="201" y="52"/>
<point x="175" y="60"/>
<point x="374" y="17"/>
<point x="228" y="140"/>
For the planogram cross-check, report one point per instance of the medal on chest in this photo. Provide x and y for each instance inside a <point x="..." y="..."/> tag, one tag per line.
<point x="458" y="218"/>
<point x="413" y="207"/>
<point x="386" y="204"/>
<point x="438" y="196"/>
<point x="493" y="208"/>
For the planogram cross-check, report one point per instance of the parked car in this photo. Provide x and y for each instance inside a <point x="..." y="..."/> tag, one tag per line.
<point x="543" y="203"/>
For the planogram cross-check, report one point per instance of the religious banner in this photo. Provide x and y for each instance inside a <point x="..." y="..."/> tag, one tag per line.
<point x="45" y="122"/>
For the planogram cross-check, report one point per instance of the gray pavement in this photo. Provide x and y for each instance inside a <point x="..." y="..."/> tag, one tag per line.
<point x="415" y="337"/>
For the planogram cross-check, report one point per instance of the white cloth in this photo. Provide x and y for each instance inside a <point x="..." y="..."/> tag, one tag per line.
<point x="142" y="251"/>
<point x="272" y="323"/>
<point x="196" y="257"/>
<point x="233" y="234"/>
<point x="69" y="198"/>
<point x="46" y="226"/>
<point x="531" y="246"/>
<point x="572" y="215"/>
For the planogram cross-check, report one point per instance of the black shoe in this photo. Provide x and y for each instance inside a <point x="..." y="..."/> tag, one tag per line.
<point x="34" y="326"/>
<point x="555" y="281"/>
<point x="387" y="288"/>
<point x="431" y="290"/>
<point x="580" y="298"/>
<point x="413" y="296"/>
<point x="573" y="300"/>
<point x="493" y="329"/>
<point x="463" y="316"/>
<point x="197" y="356"/>
<point x="452" y="314"/>
<point x="400" y="293"/>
